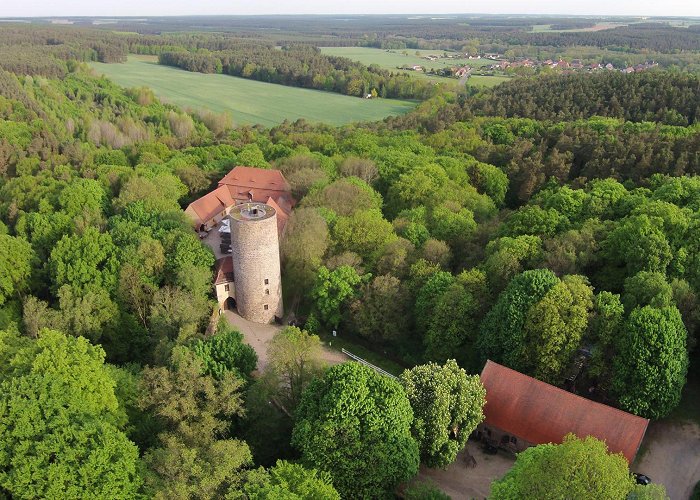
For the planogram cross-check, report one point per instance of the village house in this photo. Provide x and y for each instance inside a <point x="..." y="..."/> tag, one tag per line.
<point x="522" y="411"/>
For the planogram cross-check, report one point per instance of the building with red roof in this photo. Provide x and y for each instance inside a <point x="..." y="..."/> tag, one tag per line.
<point x="522" y="411"/>
<point x="241" y="185"/>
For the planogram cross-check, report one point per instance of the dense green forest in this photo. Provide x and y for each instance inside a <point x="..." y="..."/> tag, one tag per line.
<point x="515" y="224"/>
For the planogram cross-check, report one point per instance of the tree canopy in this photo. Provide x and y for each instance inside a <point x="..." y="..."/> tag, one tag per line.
<point x="356" y="425"/>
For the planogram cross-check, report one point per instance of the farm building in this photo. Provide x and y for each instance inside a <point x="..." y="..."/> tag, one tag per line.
<point x="521" y="411"/>
<point x="241" y="185"/>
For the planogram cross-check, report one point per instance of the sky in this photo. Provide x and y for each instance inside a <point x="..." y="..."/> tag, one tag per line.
<point x="46" y="8"/>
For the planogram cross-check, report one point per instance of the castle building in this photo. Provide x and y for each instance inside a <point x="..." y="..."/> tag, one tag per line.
<point x="242" y="185"/>
<point x="251" y="206"/>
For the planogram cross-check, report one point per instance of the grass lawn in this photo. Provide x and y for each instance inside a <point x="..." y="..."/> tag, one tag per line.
<point x="487" y="81"/>
<point x="248" y="101"/>
<point x="392" y="59"/>
<point x="689" y="407"/>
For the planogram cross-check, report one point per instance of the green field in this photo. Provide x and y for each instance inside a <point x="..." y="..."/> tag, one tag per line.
<point x="393" y="59"/>
<point x="248" y="101"/>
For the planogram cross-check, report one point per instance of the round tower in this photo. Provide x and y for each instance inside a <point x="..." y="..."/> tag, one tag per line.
<point x="256" y="262"/>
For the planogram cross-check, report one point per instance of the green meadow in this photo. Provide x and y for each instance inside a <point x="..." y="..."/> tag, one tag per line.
<point x="248" y="101"/>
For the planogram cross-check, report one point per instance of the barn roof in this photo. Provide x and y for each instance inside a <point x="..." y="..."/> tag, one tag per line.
<point x="541" y="413"/>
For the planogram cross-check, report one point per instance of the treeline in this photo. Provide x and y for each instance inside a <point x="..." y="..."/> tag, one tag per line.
<point x="666" y="97"/>
<point x="45" y="51"/>
<point x="669" y="98"/>
<point x="651" y="36"/>
<point x="301" y="66"/>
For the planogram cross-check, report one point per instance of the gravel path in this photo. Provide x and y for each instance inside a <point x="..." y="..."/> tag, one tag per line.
<point x="258" y="336"/>
<point x="671" y="456"/>
<point x="462" y="482"/>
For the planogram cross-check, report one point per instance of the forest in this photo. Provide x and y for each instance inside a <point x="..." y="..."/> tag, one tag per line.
<point x="525" y="224"/>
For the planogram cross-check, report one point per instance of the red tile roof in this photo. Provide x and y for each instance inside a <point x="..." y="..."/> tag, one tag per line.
<point x="223" y="270"/>
<point x="211" y="204"/>
<point x="541" y="413"/>
<point x="237" y="186"/>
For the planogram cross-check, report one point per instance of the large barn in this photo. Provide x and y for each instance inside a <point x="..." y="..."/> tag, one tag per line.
<point x="522" y="411"/>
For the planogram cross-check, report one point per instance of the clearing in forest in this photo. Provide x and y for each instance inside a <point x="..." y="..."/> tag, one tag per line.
<point x="249" y="102"/>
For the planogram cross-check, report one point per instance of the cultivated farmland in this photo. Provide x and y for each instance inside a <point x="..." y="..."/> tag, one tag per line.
<point x="248" y="101"/>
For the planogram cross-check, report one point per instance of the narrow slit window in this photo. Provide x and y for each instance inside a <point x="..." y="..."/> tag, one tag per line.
<point x="265" y="307"/>
<point x="267" y="291"/>
<point x="267" y="281"/>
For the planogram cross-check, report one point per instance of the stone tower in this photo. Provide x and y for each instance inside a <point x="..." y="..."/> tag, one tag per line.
<point x="256" y="262"/>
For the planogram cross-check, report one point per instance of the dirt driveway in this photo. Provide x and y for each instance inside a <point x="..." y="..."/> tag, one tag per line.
<point x="462" y="482"/>
<point x="258" y="335"/>
<point x="670" y="455"/>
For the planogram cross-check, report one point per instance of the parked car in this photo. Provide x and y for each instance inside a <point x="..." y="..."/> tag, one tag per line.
<point x="641" y="479"/>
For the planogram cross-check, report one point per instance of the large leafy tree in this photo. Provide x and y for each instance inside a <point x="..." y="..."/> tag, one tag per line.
<point x="555" y="326"/>
<point x="652" y="361"/>
<point x="381" y="315"/>
<point x="333" y="289"/>
<point x="303" y="245"/>
<point x="86" y="259"/>
<point x="447" y="405"/>
<point x="577" y="468"/>
<point x="196" y="456"/>
<point x="295" y="358"/>
<point x="225" y="351"/>
<point x="502" y="336"/>
<point x="639" y="244"/>
<point x="58" y="421"/>
<point x="290" y="481"/>
<point x="15" y="266"/>
<point x="453" y="323"/>
<point x="356" y="424"/>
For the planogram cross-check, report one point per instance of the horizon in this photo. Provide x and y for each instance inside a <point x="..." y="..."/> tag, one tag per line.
<point x="37" y="9"/>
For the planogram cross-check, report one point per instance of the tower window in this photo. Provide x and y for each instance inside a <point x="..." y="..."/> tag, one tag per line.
<point x="267" y="281"/>
<point x="226" y="288"/>
<point x="265" y="307"/>
<point x="267" y="291"/>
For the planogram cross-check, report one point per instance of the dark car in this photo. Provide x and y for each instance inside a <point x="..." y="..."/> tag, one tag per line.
<point x="490" y="449"/>
<point x="641" y="479"/>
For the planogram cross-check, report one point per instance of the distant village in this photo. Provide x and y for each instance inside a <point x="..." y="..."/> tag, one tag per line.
<point x="503" y="64"/>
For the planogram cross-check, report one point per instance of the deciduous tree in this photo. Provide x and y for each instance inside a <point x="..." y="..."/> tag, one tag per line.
<point x="447" y="406"/>
<point x="577" y="468"/>
<point x="355" y="424"/>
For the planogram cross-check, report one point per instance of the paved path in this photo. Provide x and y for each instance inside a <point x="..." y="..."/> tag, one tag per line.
<point x="258" y="335"/>
<point x="672" y="457"/>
